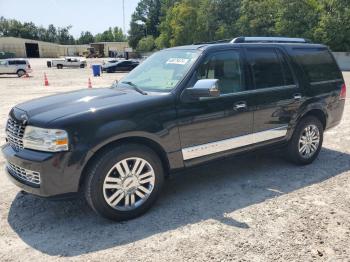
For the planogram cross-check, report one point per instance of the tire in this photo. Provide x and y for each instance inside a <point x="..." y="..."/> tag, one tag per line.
<point x="110" y="189"/>
<point x="21" y="73"/>
<point x="297" y="151"/>
<point x="82" y="66"/>
<point x="59" y="66"/>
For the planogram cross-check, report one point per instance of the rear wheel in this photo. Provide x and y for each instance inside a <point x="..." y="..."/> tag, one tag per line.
<point x="59" y="66"/>
<point x="124" y="182"/>
<point x="306" y="141"/>
<point x="21" y="73"/>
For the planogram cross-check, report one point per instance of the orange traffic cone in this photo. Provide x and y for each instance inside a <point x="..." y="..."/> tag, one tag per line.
<point x="46" y="82"/>
<point x="89" y="83"/>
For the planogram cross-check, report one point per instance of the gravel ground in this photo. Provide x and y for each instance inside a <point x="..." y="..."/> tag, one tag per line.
<point x="256" y="207"/>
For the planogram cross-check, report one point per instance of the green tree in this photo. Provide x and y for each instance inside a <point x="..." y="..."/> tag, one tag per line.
<point x="51" y="34"/>
<point x="118" y="34"/>
<point x="334" y="25"/>
<point x="145" y="21"/>
<point x="86" y="38"/>
<point x="106" y="36"/>
<point x="179" y="25"/>
<point x="257" y="17"/>
<point x="297" y="18"/>
<point x="64" y="37"/>
<point x="146" y="44"/>
<point x="227" y="13"/>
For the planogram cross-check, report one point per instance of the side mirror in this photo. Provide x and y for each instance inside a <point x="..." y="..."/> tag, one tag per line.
<point x="204" y="88"/>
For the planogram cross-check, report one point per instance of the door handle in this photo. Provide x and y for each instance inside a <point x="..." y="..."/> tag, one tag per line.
<point x="297" y="96"/>
<point x="240" y="105"/>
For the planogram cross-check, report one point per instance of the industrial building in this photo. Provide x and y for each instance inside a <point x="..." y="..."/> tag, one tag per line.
<point x="110" y="49"/>
<point x="34" y="48"/>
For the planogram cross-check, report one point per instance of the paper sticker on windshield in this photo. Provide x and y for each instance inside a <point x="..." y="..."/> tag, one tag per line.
<point x="177" y="61"/>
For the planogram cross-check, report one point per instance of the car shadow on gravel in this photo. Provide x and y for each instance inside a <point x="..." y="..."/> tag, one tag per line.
<point x="70" y="228"/>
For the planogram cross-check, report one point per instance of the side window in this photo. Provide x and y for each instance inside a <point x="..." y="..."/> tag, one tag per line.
<point x="266" y="67"/>
<point x="12" y="62"/>
<point x="226" y="67"/>
<point x="287" y="73"/>
<point x="2" y="63"/>
<point x="317" y="63"/>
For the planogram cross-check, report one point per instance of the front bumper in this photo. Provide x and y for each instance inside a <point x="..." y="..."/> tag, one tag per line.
<point x="55" y="178"/>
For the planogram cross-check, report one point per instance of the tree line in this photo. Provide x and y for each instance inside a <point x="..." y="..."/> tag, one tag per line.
<point x="60" y="35"/>
<point x="157" y="24"/>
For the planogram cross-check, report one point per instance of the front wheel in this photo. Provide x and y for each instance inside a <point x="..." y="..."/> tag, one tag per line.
<point x="306" y="142"/>
<point x="124" y="182"/>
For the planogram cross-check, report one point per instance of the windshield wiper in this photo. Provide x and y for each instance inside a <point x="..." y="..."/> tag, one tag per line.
<point x="134" y="87"/>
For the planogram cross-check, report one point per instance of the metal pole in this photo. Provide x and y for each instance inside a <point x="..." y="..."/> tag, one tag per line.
<point x="124" y="18"/>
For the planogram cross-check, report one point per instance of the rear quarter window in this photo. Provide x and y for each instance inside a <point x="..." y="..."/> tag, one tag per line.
<point x="317" y="63"/>
<point x="17" y="62"/>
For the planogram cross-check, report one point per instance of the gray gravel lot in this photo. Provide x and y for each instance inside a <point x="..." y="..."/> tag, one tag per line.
<point x="256" y="207"/>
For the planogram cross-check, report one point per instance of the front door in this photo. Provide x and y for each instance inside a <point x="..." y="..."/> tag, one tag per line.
<point x="210" y="127"/>
<point x="277" y="96"/>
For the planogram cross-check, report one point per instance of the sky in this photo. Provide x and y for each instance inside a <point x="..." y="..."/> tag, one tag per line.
<point x="84" y="15"/>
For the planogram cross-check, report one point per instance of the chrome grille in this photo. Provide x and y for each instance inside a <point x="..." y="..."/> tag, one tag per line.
<point x="15" y="132"/>
<point x="25" y="174"/>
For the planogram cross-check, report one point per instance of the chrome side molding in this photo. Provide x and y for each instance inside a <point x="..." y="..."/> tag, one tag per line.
<point x="232" y="143"/>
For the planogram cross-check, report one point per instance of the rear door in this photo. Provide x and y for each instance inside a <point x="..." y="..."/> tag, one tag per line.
<point x="12" y="67"/>
<point x="277" y="95"/>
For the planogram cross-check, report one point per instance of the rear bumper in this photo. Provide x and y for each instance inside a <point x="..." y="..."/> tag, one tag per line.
<point x="54" y="181"/>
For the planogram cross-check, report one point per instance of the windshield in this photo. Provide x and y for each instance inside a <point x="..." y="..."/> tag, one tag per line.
<point x="162" y="71"/>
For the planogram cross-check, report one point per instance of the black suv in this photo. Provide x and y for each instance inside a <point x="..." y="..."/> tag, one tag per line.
<point x="181" y="107"/>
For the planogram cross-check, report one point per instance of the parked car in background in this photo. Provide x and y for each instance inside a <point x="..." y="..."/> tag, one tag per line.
<point x="181" y="107"/>
<point x="67" y="62"/>
<point x="112" y="61"/>
<point x="126" y="65"/>
<point x="5" y="55"/>
<point x="15" y="66"/>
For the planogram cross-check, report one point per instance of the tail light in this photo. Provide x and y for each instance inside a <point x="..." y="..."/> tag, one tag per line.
<point x="29" y="66"/>
<point x="342" y="92"/>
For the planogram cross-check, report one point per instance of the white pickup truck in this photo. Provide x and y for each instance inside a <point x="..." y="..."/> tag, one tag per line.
<point x="67" y="62"/>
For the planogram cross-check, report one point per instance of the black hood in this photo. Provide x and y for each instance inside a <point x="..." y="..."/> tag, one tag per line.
<point x="47" y="109"/>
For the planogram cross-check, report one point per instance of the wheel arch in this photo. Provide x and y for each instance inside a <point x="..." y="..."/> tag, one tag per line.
<point x="155" y="146"/>
<point x="319" y="113"/>
<point x="312" y="110"/>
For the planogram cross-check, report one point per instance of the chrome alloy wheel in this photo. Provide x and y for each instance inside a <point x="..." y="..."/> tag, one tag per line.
<point x="309" y="141"/>
<point x="128" y="184"/>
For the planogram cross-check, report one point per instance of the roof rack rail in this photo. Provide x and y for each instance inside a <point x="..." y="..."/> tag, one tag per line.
<point x="214" y="42"/>
<point x="259" y="39"/>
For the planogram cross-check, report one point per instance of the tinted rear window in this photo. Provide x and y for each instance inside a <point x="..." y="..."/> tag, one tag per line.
<point x="317" y="63"/>
<point x="266" y="67"/>
<point x="17" y="62"/>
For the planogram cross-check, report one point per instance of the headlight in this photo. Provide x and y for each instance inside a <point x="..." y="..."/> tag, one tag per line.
<point x="51" y="140"/>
